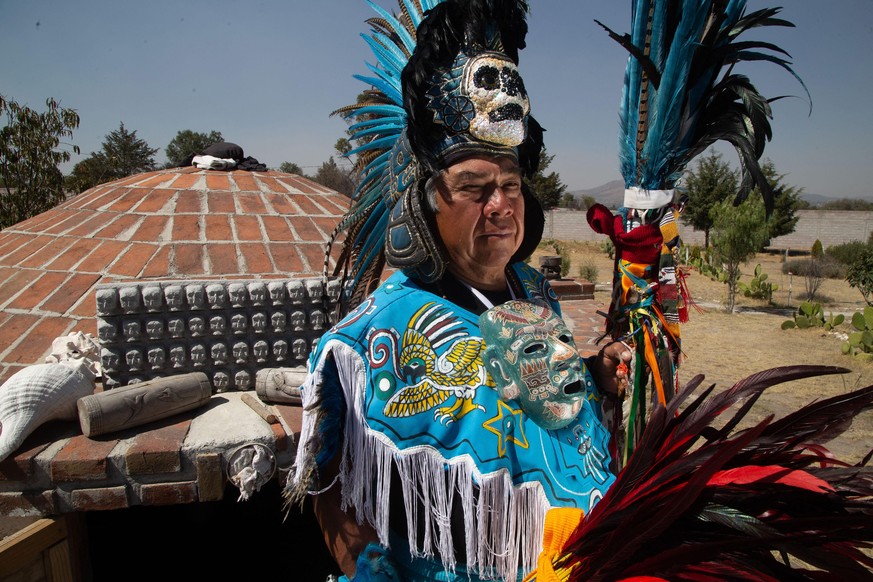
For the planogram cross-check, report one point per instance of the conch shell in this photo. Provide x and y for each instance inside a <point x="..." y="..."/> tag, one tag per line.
<point x="44" y="392"/>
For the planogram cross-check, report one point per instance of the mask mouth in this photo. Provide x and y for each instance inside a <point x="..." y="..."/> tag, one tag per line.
<point x="573" y="387"/>
<point x="510" y="111"/>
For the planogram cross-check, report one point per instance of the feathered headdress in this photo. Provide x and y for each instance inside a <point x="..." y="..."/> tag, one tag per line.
<point x="702" y="499"/>
<point x="445" y="85"/>
<point x="681" y="95"/>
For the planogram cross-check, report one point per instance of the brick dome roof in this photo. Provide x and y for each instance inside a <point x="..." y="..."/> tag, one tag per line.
<point x="181" y="223"/>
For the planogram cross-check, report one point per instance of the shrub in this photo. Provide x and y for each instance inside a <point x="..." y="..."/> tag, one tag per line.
<point x="828" y="267"/>
<point x="860" y="275"/>
<point x="758" y="287"/>
<point x="811" y="314"/>
<point x="588" y="272"/>
<point x="860" y="342"/>
<point x="846" y="253"/>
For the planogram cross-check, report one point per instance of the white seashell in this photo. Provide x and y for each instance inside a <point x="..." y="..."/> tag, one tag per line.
<point x="36" y="395"/>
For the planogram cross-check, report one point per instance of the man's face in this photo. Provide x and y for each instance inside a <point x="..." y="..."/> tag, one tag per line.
<point x="481" y="216"/>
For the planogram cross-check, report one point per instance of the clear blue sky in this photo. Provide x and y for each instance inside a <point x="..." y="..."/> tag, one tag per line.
<point x="267" y="74"/>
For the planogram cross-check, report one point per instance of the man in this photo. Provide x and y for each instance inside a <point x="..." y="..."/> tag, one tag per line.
<point x="416" y="466"/>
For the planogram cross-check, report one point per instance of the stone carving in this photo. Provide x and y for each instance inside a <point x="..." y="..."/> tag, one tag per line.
<point x="151" y="298"/>
<point x="196" y="296"/>
<point x="257" y="293"/>
<point x="107" y="301"/>
<point x="216" y="296"/>
<point x="173" y="297"/>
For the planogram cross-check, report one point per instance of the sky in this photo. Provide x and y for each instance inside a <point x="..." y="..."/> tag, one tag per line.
<point x="268" y="73"/>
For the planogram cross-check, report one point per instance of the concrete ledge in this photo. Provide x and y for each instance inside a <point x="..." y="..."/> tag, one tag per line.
<point x="571" y="289"/>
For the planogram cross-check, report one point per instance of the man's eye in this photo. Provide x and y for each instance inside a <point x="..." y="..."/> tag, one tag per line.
<point x="534" y="348"/>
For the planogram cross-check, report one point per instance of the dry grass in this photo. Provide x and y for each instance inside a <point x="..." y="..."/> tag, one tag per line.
<point x="726" y="347"/>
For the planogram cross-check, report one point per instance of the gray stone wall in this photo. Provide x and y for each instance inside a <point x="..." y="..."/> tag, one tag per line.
<point x="831" y="227"/>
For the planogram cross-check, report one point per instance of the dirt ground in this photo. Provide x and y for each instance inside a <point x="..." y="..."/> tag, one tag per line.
<point x="726" y="348"/>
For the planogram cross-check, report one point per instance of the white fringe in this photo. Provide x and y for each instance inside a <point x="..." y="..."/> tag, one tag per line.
<point x="503" y="529"/>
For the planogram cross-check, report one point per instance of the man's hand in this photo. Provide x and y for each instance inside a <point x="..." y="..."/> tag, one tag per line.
<point x="610" y="369"/>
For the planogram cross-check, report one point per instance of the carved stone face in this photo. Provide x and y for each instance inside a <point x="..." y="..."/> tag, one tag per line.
<point x="134" y="359"/>
<point x="106" y="331"/>
<point x="173" y="297"/>
<point x="177" y="356"/>
<point x="198" y="354"/>
<point x="298" y="320"/>
<point x="261" y="350"/>
<point x="298" y="348"/>
<point x="156" y="358"/>
<point x="151" y="297"/>
<point x="218" y="351"/>
<point x="276" y="289"/>
<point x="259" y="322"/>
<point x="238" y="323"/>
<point x="242" y="380"/>
<point x="280" y="350"/>
<point x="532" y="357"/>
<point x="196" y="296"/>
<point x="109" y="359"/>
<point x="129" y="299"/>
<point x="333" y="289"/>
<point x="107" y="301"/>
<point x="197" y="326"/>
<point x="217" y="325"/>
<point x="257" y="293"/>
<point x="131" y="329"/>
<point x="295" y="291"/>
<point x="216" y="296"/>
<point x="237" y="292"/>
<point x="176" y="326"/>
<point x="314" y="290"/>
<point x="221" y="381"/>
<point x="317" y="319"/>
<point x="241" y="352"/>
<point x="277" y="320"/>
<point x="154" y="328"/>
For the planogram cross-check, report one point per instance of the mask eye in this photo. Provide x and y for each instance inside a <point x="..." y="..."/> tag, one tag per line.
<point x="487" y="78"/>
<point x="566" y="338"/>
<point x="534" y="347"/>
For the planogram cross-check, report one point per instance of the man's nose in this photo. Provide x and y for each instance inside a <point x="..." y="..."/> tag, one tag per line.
<point x="498" y="203"/>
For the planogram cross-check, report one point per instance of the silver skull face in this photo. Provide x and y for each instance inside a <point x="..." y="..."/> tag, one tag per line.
<point x="492" y="82"/>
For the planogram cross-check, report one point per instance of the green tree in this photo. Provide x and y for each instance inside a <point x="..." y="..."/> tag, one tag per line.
<point x="189" y="143"/>
<point x="860" y="274"/>
<point x="710" y="183"/>
<point x="547" y="188"/>
<point x="291" y="168"/>
<point x="847" y="204"/>
<point x="738" y="232"/>
<point x="334" y="177"/>
<point x="123" y="154"/>
<point x="786" y="202"/>
<point x="29" y="158"/>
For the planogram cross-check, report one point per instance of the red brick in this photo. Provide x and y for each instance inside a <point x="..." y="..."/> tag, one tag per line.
<point x="133" y="260"/>
<point x="95" y="198"/>
<point x="220" y="202"/>
<point x="325" y="224"/>
<point x="151" y="229"/>
<point x="168" y="493"/>
<point x="298" y="184"/>
<point x="13" y="328"/>
<point x="188" y="259"/>
<point x="245" y="181"/>
<point x="99" y="499"/>
<point x="36" y="345"/>
<point x="277" y="229"/>
<point x="314" y="255"/>
<point x="29" y="504"/>
<point x="82" y="459"/>
<point x="126" y="201"/>
<point x="14" y="284"/>
<point x="154" y="201"/>
<point x="306" y="205"/>
<point x="120" y="224"/>
<point x="71" y="257"/>
<point x="157" y="180"/>
<point x="9" y="241"/>
<point x="157" y="451"/>
<point x="87" y="307"/>
<point x="286" y="258"/>
<point x="29" y="246"/>
<point x="282" y="204"/>
<point x="186" y="227"/>
<point x="306" y="229"/>
<point x="134" y="179"/>
<point x="64" y="220"/>
<point x="217" y="181"/>
<point x="210" y="477"/>
<point x="337" y="205"/>
<point x="218" y="227"/>
<point x="185" y="181"/>
<point x="251" y="203"/>
<point x="35" y="223"/>
<point x="223" y="259"/>
<point x="270" y="184"/>
<point x="247" y="227"/>
<point x="70" y="292"/>
<point x="257" y="259"/>
<point x="159" y="266"/>
<point x="48" y="253"/>
<point x="103" y="256"/>
<point x="33" y="294"/>
<point x="89" y="226"/>
<point x="189" y="201"/>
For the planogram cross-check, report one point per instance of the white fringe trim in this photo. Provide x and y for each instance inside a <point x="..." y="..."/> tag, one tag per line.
<point x="503" y="513"/>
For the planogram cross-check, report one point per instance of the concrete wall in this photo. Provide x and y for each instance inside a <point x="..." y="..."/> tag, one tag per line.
<point x="831" y="227"/>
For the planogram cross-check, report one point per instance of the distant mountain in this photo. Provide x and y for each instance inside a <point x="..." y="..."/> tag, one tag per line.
<point x="611" y="195"/>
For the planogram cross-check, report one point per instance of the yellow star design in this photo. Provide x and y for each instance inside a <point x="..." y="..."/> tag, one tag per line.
<point x="506" y="427"/>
